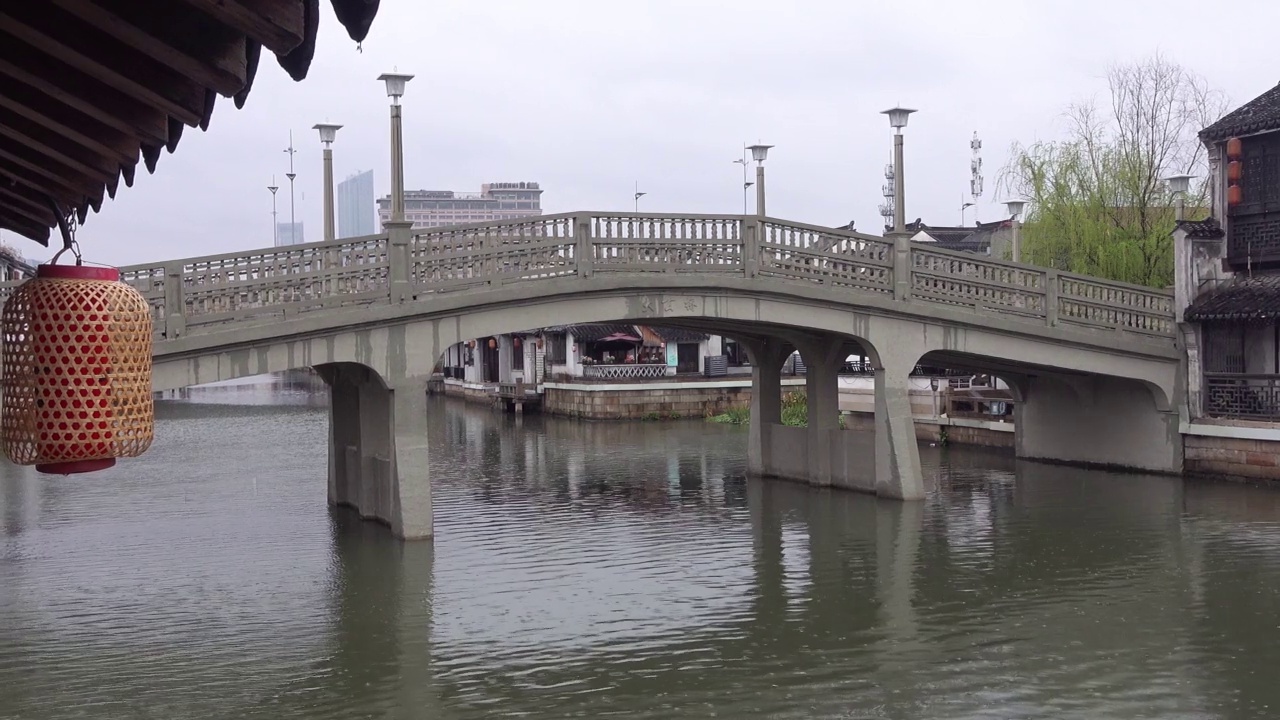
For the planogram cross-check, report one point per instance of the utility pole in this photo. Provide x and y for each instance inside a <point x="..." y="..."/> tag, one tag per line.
<point x="293" y="223"/>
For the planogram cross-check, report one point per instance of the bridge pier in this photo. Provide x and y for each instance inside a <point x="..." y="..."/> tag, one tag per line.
<point x="898" y="472"/>
<point x="821" y="453"/>
<point x="1097" y="420"/>
<point x="767" y="358"/>
<point x="378" y="454"/>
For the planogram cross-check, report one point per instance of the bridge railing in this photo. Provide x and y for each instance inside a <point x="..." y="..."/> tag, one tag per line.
<point x="399" y="266"/>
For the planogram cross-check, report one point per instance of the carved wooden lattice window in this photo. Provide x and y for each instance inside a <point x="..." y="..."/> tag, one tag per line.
<point x="555" y="349"/>
<point x="1260" y="181"/>
<point x="1255" y="221"/>
<point x="1223" y="348"/>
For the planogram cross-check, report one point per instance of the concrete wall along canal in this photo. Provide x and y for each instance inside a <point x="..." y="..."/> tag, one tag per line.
<point x="694" y="399"/>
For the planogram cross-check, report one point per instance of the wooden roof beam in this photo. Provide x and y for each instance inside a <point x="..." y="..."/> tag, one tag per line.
<point x="75" y="126"/>
<point x="50" y="144"/>
<point x="211" y="55"/>
<point x="21" y="198"/>
<point x="24" y="225"/>
<point x="278" y="24"/>
<point x="74" y="89"/>
<point x="29" y="167"/>
<point x="58" y="34"/>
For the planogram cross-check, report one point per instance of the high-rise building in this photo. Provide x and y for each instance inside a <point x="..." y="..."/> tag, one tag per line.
<point x="495" y="201"/>
<point x="289" y="234"/>
<point x="356" y="212"/>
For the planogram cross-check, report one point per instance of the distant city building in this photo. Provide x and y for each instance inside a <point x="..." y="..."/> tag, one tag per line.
<point x="495" y="201"/>
<point x="356" y="212"/>
<point x="289" y="234"/>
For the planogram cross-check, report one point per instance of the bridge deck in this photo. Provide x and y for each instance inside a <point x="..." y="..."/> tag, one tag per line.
<point x="219" y="292"/>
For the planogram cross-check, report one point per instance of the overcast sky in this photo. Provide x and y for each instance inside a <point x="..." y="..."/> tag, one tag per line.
<point x="589" y="97"/>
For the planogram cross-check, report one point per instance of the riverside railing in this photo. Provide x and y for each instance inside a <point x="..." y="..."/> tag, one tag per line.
<point x="404" y="265"/>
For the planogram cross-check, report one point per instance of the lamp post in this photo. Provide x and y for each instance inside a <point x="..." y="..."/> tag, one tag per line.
<point x="1015" y="208"/>
<point x="395" y="88"/>
<point x="293" y="222"/>
<point x="745" y="162"/>
<point x="327" y="133"/>
<point x="1179" y="185"/>
<point x="638" y="196"/>
<point x="275" y="227"/>
<point x="898" y="120"/>
<point x="759" y="153"/>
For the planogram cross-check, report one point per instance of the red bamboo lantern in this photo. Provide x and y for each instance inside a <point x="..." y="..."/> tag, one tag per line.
<point x="1234" y="195"/>
<point x="1235" y="148"/>
<point x="1234" y="171"/>
<point x="76" y="371"/>
<point x="515" y="341"/>
<point x="492" y="343"/>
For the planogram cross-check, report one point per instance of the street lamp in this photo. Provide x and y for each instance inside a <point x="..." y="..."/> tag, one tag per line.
<point x="1179" y="185"/>
<point x="759" y="153"/>
<point x="275" y="227"/>
<point x="898" y="120"/>
<point x="1015" y="208"/>
<point x="327" y="134"/>
<point x="395" y="88"/>
<point x="638" y="196"/>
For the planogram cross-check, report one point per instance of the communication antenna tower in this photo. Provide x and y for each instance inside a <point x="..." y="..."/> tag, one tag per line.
<point x="886" y="207"/>
<point x="975" y="169"/>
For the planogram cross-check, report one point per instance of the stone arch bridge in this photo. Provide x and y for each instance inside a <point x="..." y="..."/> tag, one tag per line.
<point x="1093" y="363"/>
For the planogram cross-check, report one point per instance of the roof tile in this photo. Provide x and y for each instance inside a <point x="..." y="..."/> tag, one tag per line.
<point x="1260" y="114"/>
<point x="1255" y="299"/>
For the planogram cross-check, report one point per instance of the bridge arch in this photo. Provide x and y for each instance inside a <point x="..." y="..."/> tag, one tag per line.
<point x="399" y="345"/>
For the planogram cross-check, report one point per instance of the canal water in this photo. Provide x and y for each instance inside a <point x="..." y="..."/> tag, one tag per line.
<point x="621" y="570"/>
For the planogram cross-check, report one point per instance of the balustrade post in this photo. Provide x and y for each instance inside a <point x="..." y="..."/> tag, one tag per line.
<point x="399" y="259"/>
<point x="1051" y="285"/>
<point x="751" y="245"/>
<point x="901" y="267"/>
<point x="175" y="305"/>
<point x="584" y="252"/>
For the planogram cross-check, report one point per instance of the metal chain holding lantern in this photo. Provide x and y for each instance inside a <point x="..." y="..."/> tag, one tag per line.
<point x="76" y="367"/>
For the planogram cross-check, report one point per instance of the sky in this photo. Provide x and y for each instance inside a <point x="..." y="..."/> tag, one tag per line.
<point x="589" y="98"/>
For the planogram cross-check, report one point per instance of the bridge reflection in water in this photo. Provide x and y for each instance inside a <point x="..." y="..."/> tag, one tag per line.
<point x="583" y="569"/>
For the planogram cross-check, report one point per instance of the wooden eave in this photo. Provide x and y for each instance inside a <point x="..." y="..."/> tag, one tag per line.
<point x="90" y="87"/>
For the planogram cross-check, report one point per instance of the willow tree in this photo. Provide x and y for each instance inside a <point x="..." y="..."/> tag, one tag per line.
<point x="1098" y="201"/>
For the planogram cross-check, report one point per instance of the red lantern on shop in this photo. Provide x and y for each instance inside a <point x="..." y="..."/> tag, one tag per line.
<point x="76" y="371"/>
<point x="492" y="343"/>
<point x="515" y="341"/>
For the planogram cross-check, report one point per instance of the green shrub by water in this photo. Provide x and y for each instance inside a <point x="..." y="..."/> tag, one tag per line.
<point x="795" y="412"/>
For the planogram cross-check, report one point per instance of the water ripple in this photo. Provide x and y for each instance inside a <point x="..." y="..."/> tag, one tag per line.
<point x="617" y="570"/>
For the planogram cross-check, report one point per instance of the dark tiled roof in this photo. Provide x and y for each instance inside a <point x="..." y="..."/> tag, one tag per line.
<point x="1258" y="115"/>
<point x="679" y="334"/>
<point x="1207" y="229"/>
<point x="222" y="42"/>
<point x="1246" y="300"/>
<point x="593" y="332"/>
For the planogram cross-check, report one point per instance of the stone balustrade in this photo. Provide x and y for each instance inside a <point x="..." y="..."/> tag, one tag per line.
<point x="633" y="371"/>
<point x="403" y="265"/>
